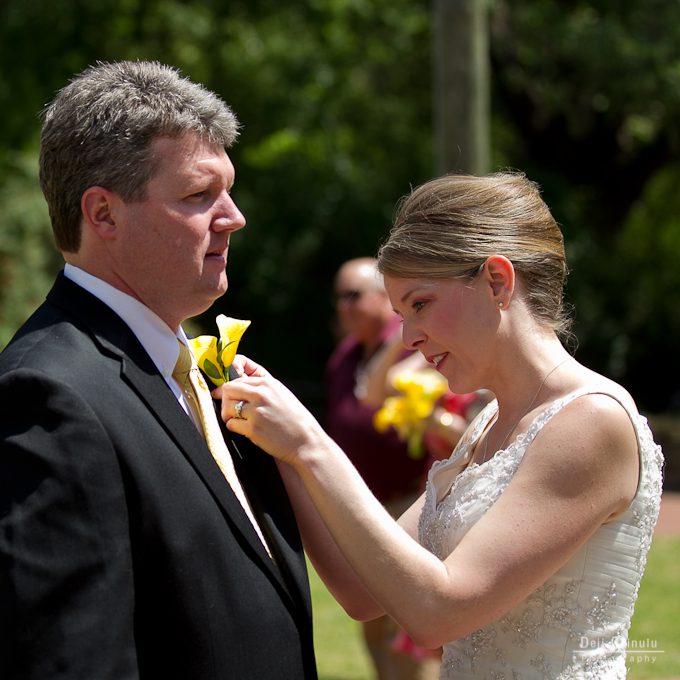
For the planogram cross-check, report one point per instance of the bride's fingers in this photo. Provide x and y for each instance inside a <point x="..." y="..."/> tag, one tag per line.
<point x="247" y="367"/>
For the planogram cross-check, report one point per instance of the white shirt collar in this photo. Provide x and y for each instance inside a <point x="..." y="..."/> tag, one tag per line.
<point x="152" y="332"/>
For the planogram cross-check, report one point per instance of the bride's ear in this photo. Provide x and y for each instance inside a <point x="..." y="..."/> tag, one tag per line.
<point x="499" y="275"/>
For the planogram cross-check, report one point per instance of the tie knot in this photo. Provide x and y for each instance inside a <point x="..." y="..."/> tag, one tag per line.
<point x="184" y="363"/>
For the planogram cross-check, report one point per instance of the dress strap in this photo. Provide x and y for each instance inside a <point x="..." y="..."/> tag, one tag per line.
<point x="447" y="470"/>
<point x="556" y="406"/>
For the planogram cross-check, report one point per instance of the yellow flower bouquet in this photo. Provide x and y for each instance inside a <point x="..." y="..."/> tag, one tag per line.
<point x="215" y="355"/>
<point x="408" y="411"/>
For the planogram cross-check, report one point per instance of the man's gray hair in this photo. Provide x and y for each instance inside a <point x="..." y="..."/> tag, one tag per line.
<point x="98" y="132"/>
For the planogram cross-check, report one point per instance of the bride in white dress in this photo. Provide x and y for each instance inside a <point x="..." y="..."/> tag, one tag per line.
<point x="523" y="557"/>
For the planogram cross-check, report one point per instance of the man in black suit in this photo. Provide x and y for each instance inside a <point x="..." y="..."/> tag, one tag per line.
<point x="125" y="552"/>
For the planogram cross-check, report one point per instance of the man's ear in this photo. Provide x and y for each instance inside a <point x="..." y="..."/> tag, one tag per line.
<point x="500" y="275"/>
<point x="97" y="206"/>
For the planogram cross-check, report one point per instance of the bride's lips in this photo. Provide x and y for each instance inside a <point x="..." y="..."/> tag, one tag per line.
<point x="437" y="359"/>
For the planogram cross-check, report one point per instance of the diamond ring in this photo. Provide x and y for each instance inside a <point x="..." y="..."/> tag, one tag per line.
<point x="238" y="409"/>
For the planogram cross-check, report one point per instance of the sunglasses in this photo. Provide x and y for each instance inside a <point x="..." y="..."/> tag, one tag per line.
<point x="347" y="296"/>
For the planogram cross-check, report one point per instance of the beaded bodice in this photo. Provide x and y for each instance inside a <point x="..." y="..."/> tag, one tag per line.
<point x="576" y="624"/>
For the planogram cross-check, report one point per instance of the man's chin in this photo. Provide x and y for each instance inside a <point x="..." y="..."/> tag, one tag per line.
<point x="206" y="301"/>
<point x="218" y="286"/>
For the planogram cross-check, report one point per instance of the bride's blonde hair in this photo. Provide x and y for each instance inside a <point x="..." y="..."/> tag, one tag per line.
<point x="449" y="226"/>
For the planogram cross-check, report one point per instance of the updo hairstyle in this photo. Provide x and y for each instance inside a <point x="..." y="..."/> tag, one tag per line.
<point x="448" y="227"/>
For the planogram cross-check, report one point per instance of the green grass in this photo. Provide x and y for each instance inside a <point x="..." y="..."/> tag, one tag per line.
<point x="340" y="652"/>
<point x="656" y="624"/>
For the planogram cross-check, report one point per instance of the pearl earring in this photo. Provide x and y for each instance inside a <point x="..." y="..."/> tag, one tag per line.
<point x="500" y="305"/>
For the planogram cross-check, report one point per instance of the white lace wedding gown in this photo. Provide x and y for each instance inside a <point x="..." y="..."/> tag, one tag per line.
<point x="576" y="624"/>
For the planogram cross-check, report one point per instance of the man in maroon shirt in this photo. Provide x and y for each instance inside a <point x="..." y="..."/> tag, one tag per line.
<point x="366" y="318"/>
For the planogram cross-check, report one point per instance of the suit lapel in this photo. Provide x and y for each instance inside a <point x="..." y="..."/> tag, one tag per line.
<point x="138" y="370"/>
<point x="272" y="509"/>
<point x="274" y="513"/>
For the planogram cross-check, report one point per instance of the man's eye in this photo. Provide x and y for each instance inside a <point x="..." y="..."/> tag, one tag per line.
<point x="419" y="305"/>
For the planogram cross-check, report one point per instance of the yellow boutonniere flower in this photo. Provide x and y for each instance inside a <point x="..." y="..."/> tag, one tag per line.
<point x="407" y="412"/>
<point x="215" y="355"/>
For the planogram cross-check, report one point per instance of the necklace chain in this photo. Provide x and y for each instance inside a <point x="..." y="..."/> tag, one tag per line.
<point x="528" y="408"/>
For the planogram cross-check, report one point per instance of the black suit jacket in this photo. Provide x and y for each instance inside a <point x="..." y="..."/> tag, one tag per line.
<point x="123" y="552"/>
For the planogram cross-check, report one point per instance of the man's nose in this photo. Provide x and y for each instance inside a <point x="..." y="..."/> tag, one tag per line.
<point x="227" y="215"/>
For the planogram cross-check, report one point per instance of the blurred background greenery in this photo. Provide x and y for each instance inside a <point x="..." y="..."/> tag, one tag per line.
<point x="336" y="102"/>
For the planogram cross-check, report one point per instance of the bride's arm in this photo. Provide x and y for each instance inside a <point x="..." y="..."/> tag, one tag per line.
<point x="323" y="552"/>
<point x="576" y="474"/>
<point x="329" y="562"/>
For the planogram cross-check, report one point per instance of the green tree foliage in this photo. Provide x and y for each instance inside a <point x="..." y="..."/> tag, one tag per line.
<point x="334" y="98"/>
<point x="335" y="101"/>
<point x="27" y="257"/>
<point x="587" y="102"/>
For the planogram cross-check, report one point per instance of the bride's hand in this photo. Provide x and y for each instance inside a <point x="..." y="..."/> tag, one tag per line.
<point x="271" y="416"/>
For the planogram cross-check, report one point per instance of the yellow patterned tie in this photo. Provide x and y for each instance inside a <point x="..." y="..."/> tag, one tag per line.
<point x="200" y="401"/>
